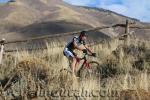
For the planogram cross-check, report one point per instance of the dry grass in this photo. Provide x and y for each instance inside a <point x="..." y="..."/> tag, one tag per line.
<point x="71" y="14"/>
<point x="124" y="68"/>
<point x="21" y="17"/>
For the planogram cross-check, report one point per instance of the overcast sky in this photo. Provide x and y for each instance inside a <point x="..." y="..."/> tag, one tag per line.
<point x="139" y="9"/>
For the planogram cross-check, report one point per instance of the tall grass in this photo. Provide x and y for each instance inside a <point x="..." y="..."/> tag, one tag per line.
<point x="124" y="68"/>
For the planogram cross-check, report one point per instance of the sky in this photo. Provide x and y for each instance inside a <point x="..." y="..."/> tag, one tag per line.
<point x="3" y="1"/>
<point x="139" y="9"/>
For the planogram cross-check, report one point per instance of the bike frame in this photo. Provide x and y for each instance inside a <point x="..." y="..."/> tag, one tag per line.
<point x="85" y="63"/>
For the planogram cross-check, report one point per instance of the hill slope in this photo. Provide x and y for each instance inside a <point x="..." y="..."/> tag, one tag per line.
<point x="31" y="18"/>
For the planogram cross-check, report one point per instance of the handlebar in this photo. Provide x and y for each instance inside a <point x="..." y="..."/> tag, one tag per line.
<point x="85" y="54"/>
<point x="84" y="57"/>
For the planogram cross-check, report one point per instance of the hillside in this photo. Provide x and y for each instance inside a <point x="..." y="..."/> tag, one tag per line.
<point x="31" y="18"/>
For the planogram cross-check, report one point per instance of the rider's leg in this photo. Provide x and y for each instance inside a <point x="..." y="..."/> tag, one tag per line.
<point x="71" y="56"/>
<point x="77" y="64"/>
<point x="73" y="64"/>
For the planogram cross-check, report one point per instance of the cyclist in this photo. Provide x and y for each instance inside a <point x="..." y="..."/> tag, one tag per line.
<point x="75" y="44"/>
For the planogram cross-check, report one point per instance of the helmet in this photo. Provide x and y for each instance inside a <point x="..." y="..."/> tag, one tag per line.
<point x="83" y="33"/>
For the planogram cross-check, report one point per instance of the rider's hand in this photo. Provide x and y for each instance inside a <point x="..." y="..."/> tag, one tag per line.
<point x="85" y="51"/>
<point x="94" y="54"/>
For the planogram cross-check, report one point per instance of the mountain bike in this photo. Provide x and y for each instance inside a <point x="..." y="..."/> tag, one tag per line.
<point x="88" y="69"/>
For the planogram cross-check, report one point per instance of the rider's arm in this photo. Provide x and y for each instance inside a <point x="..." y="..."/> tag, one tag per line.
<point x="86" y="47"/>
<point x="89" y="49"/>
<point x="76" y="46"/>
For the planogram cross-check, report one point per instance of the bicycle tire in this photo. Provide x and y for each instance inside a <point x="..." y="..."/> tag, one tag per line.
<point x="93" y="72"/>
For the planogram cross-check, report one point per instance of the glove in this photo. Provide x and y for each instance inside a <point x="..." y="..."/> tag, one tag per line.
<point x="94" y="54"/>
<point x="85" y="51"/>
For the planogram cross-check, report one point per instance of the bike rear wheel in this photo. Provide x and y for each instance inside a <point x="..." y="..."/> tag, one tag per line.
<point x="92" y="72"/>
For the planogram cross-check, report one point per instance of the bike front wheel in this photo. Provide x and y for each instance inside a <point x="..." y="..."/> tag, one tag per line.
<point x="92" y="72"/>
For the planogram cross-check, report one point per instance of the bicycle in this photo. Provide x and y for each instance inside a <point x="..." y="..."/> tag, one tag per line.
<point x="88" y="69"/>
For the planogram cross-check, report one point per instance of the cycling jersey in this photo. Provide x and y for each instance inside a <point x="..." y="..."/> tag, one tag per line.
<point x="68" y="51"/>
<point x="76" y="39"/>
